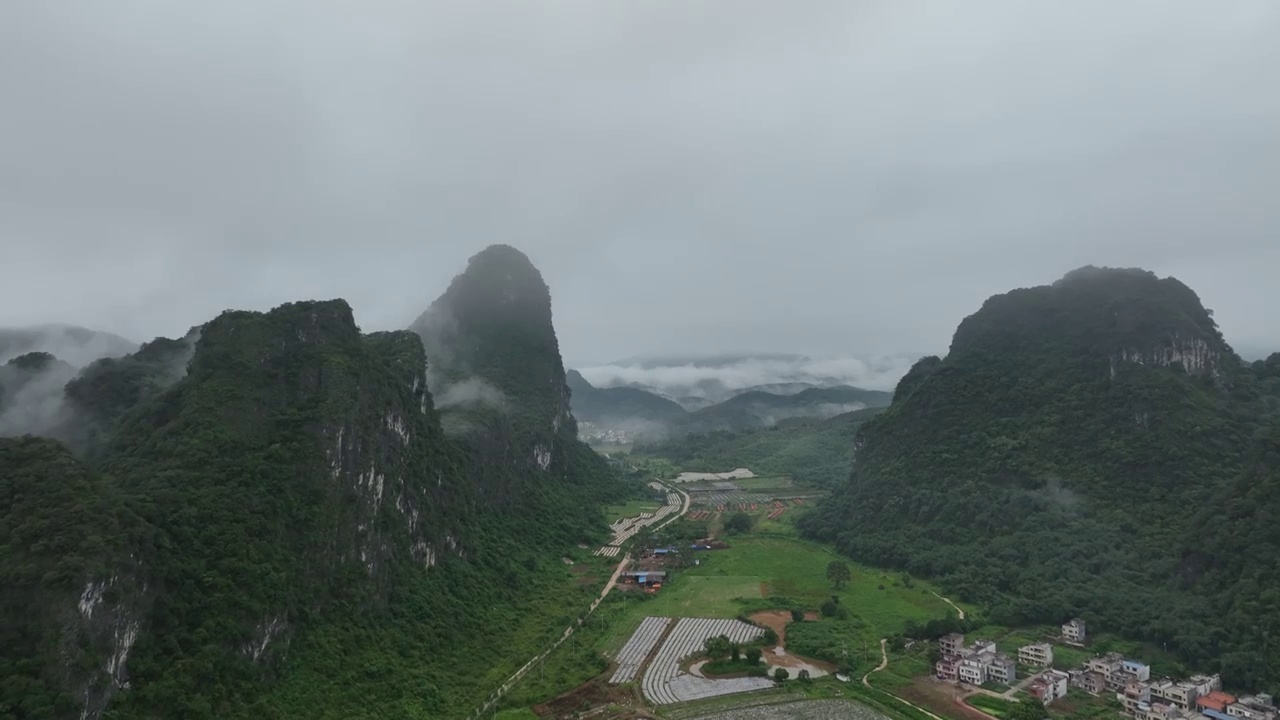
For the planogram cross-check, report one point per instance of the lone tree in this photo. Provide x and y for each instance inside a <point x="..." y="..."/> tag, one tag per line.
<point x="797" y="615"/>
<point x="753" y="655"/>
<point x="781" y="674"/>
<point x="838" y="573"/>
<point x="804" y="676"/>
<point x="718" y="647"/>
<point x="738" y="522"/>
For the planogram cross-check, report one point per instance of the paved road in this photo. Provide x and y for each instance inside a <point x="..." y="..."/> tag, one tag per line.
<point x="613" y="581"/>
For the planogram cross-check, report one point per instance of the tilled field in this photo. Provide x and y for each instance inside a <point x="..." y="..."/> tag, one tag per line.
<point x="803" y="710"/>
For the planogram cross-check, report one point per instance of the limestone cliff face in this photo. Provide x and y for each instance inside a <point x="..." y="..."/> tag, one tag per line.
<point x="496" y="371"/>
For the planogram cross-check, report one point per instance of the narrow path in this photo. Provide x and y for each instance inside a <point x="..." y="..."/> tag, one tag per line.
<point x="948" y="601"/>
<point x="884" y="662"/>
<point x="502" y="690"/>
<point x="1022" y="684"/>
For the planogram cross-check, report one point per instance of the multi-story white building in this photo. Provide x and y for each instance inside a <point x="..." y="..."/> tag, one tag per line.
<point x="1037" y="654"/>
<point x="952" y="644"/>
<point x="972" y="671"/>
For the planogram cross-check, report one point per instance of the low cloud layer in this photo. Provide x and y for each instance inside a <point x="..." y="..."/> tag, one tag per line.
<point x="472" y="392"/>
<point x="692" y="379"/>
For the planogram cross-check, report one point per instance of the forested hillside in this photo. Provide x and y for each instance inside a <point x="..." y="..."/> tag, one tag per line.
<point x="1085" y="448"/>
<point x="814" y="451"/>
<point x="291" y="528"/>
<point x="762" y="409"/>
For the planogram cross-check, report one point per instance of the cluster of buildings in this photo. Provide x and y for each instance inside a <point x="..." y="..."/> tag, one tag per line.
<point x="1199" y="697"/>
<point x="974" y="664"/>
<point x="1195" y="698"/>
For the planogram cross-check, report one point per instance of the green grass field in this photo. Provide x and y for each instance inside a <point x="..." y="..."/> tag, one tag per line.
<point x="768" y="482"/>
<point x="632" y="508"/>
<point x="990" y="705"/>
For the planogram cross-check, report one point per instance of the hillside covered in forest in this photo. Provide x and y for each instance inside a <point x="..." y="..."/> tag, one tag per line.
<point x="1091" y="448"/>
<point x="303" y="520"/>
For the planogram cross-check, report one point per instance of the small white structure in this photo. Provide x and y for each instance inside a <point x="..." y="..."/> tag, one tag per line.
<point x="1074" y="631"/>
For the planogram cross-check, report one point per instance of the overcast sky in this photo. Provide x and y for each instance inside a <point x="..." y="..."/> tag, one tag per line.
<point x="817" y="177"/>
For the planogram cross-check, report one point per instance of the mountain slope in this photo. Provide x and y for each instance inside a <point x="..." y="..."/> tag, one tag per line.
<point x="620" y="406"/>
<point x="75" y="345"/>
<point x="288" y="530"/>
<point x="814" y="451"/>
<point x="1051" y="464"/>
<point x="762" y="409"/>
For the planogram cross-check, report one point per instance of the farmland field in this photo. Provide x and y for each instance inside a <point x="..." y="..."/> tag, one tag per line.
<point x="990" y="705"/>
<point x="633" y="508"/>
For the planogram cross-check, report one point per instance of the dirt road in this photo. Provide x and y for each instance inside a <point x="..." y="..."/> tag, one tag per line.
<point x="948" y="601"/>
<point x="502" y="690"/>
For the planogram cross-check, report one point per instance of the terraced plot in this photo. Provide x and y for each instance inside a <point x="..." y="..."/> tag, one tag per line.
<point x="626" y="528"/>
<point x="665" y="683"/>
<point x="633" y="654"/>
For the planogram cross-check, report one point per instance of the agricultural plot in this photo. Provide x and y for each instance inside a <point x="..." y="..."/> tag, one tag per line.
<point x="627" y="528"/>
<point x="665" y="683"/>
<point x="637" y="649"/>
<point x="803" y="710"/>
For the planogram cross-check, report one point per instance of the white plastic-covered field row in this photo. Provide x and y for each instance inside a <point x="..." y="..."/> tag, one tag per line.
<point x="608" y="551"/>
<point x="633" y="654"/>
<point x="627" y="529"/>
<point x="665" y="683"/>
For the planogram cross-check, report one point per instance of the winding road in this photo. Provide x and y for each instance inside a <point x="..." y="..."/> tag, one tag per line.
<point x="884" y="663"/>
<point x="503" y="689"/>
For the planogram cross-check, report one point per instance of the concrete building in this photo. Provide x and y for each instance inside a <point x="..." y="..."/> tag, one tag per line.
<point x="1253" y="707"/>
<point x="1136" y="670"/>
<point x="1002" y="669"/>
<point x="981" y="646"/>
<point x="1089" y="681"/>
<point x="1180" y="695"/>
<point x="948" y="668"/>
<point x="1037" y="654"/>
<point x="972" y="671"/>
<point x="1205" y="684"/>
<point x="1135" y="695"/>
<point x="952" y="644"/>
<point x="1049" y="686"/>
<point x="1074" y="632"/>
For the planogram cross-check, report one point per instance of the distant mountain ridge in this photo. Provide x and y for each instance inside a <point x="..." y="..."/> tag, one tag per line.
<point x="72" y="344"/>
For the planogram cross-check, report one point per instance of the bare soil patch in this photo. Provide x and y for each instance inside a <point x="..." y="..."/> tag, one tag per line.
<point x="940" y="698"/>
<point x="591" y="694"/>
<point x="585" y="580"/>
<point x="777" y="620"/>
<point x="812" y="616"/>
<point x="579" y="569"/>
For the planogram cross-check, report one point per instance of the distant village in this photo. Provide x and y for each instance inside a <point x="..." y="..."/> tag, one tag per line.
<point x="1194" y="698"/>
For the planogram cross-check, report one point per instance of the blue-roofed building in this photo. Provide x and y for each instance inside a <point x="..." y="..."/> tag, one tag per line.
<point x="1216" y="715"/>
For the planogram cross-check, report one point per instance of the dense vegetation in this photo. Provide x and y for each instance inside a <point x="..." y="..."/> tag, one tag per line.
<point x="1089" y="448"/>
<point x="288" y="530"/>
<point x="814" y="451"/>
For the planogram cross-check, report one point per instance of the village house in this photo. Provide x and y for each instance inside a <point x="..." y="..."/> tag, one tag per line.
<point x="1181" y="695"/>
<point x="972" y="671"/>
<point x="1000" y="668"/>
<point x="1215" y="701"/>
<point x="1135" y="695"/>
<point x="1036" y="654"/>
<point x="1253" y="707"/>
<point x="974" y="664"/>
<point x="1049" y="686"/>
<point x="1160" y="711"/>
<point x="1074" y="631"/>
<point x="952" y="644"/>
<point x="1088" y="680"/>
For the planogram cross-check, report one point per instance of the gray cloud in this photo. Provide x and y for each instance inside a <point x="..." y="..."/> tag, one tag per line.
<point x="677" y="380"/>
<point x="834" y="177"/>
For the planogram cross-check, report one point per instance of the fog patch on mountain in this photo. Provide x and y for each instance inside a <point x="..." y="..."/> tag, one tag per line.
<point x="716" y="381"/>
<point x="472" y="392"/>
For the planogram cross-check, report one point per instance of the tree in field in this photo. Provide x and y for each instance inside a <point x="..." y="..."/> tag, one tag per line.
<point x="797" y="614"/>
<point x="803" y="676"/>
<point x="781" y="674"/>
<point x="838" y="573"/>
<point x="737" y="652"/>
<point x="718" y="647"/>
<point x="738" y="522"/>
<point x="753" y="656"/>
<point x="829" y="608"/>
